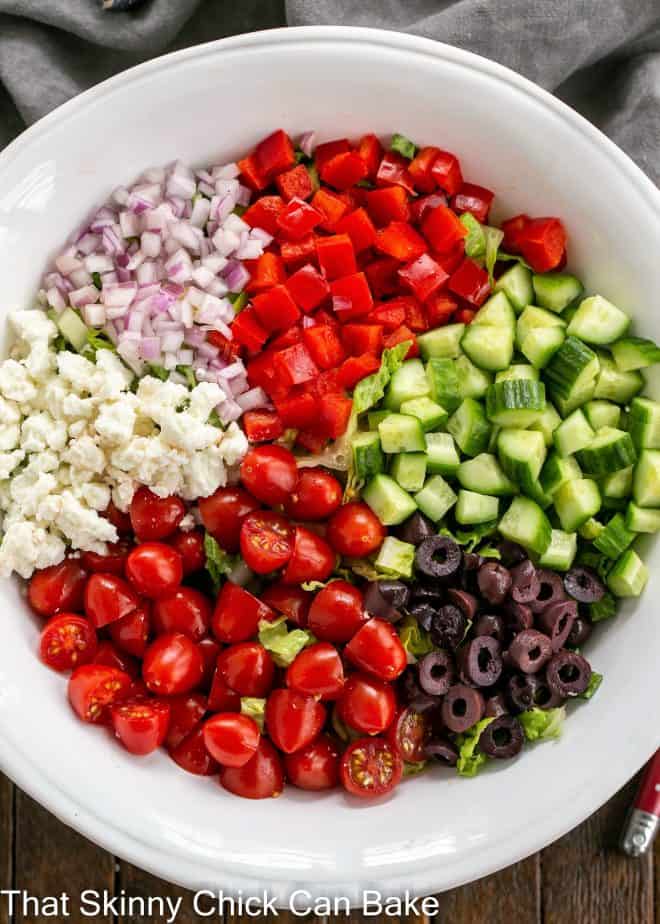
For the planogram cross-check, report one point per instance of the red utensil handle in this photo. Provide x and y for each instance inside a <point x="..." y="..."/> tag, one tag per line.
<point x="648" y="795"/>
<point x="643" y="820"/>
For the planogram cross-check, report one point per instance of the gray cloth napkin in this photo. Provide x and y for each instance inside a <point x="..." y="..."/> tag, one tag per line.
<point x="601" y="56"/>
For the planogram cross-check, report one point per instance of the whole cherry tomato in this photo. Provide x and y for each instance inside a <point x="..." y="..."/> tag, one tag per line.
<point x="172" y="664"/>
<point x="222" y="698"/>
<point x="154" y="517"/>
<point x="154" y="569"/>
<point x="186" y="610"/>
<point x="67" y="640"/>
<point x="107" y="654"/>
<point x="222" y="514"/>
<point x="209" y="650"/>
<point x="58" y="588"/>
<point x="191" y="754"/>
<point x="318" y="494"/>
<point x="231" y="738"/>
<point x="293" y="602"/>
<point x="93" y="688"/>
<point x="337" y="612"/>
<point x="312" y="558"/>
<point x="314" y="767"/>
<point x="238" y="613"/>
<point x="262" y="777"/>
<point x="355" y="530"/>
<point x="113" y="562"/>
<point x="367" y="704"/>
<point x="317" y="671"/>
<point x="186" y="713"/>
<point x="266" y="541"/>
<point x="141" y="726"/>
<point x="376" y="649"/>
<point x="408" y="734"/>
<point x="190" y="546"/>
<point x="108" y="598"/>
<point x="131" y="633"/>
<point x="293" y="719"/>
<point x="120" y="521"/>
<point x="269" y="473"/>
<point x="370" y="767"/>
<point x="247" y="668"/>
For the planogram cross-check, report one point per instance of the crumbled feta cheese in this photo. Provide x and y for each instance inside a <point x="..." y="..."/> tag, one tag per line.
<point x="26" y="546"/>
<point x="84" y="453"/>
<point x="9" y="436"/>
<point x="15" y="382"/>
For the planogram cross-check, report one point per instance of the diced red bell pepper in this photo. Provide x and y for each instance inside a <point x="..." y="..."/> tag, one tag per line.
<point x="400" y="240"/>
<point x="248" y="331"/>
<point x="275" y="309"/>
<point x="251" y="174"/>
<point x="439" y="309"/>
<point x="465" y="316"/>
<point x="311" y="441"/>
<point x="336" y="255"/>
<point x="422" y="204"/>
<point x="262" y="425"/>
<point x="400" y="335"/>
<point x="513" y="228"/>
<point x="287" y="338"/>
<point x="308" y="287"/>
<point x="389" y="315"/>
<point x="420" y="169"/>
<point x="323" y="316"/>
<point x="351" y="297"/>
<point x="263" y="213"/>
<point x="295" y="183"/>
<point x="474" y="199"/>
<point x="423" y="276"/>
<point x="356" y="368"/>
<point x="329" y="149"/>
<point x="268" y="272"/>
<point x="295" y="365"/>
<point x="331" y="205"/>
<point x="334" y="413"/>
<point x="415" y="314"/>
<point x="344" y="170"/>
<point x="446" y="171"/>
<point x="442" y="228"/>
<point x="452" y="260"/>
<point x="229" y="349"/>
<point x="261" y="372"/>
<point x="386" y="205"/>
<point x="275" y="154"/>
<point x="327" y="383"/>
<point x="297" y="410"/>
<point x="359" y="228"/>
<point x="542" y="243"/>
<point x="371" y="151"/>
<point x="324" y="346"/>
<point x="297" y="253"/>
<point x="393" y="171"/>
<point x="471" y="282"/>
<point x="382" y="276"/>
<point x="297" y="219"/>
<point x="362" y="338"/>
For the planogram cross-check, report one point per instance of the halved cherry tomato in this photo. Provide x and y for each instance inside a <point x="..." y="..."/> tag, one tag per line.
<point x="58" y="588"/>
<point x="293" y="602"/>
<point x="356" y="531"/>
<point x="172" y="664"/>
<point x="209" y="650"/>
<point x="108" y="598"/>
<point x="231" y="738"/>
<point x="191" y="754"/>
<point x="317" y="671"/>
<point x="107" y="654"/>
<point x="317" y="495"/>
<point x="155" y="517"/>
<point x="367" y="704"/>
<point x="312" y="558"/>
<point x="262" y="777"/>
<point x="247" y="668"/>
<point x="120" y="521"/>
<point x="141" y="726"/>
<point x="293" y="719"/>
<point x="408" y="734"/>
<point x="186" y="712"/>
<point x="93" y="688"/>
<point x="222" y="514"/>
<point x="269" y="473"/>
<point x="190" y="546"/>
<point x="337" y="612"/>
<point x="376" y="648"/>
<point x="266" y="541"/>
<point x="131" y="633"/>
<point x="154" y="569"/>
<point x="314" y="767"/>
<point x="186" y="610"/>
<point x="67" y="640"/>
<point x="237" y="614"/>
<point x="221" y="697"/>
<point x="370" y="767"/>
<point x="113" y="562"/>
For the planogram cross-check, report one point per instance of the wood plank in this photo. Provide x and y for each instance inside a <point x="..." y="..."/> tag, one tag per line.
<point x="513" y="894"/>
<point x="6" y="841"/>
<point x="141" y="885"/>
<point x="52" y="858"/>
<point x="587" y="880"/>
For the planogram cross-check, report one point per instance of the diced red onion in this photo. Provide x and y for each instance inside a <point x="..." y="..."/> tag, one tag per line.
<point x="229" y="410"/>
<point x="93" y="315"/>
<point x="83" y="296"/>
<point x="109" y="278"/>
<point x="258" y="234"/>
<point x="111" y="242"/>
<point x="120" y="295"/>
<point x="244" y="196"/>
<point x="80" y="278"/>
<point x="307" y="143"/>
<point x="150" y="348"/>
<point x="171" y="341"/>
<point x="206" y="189"/>
<point x="255" y="397"/>
<point x="130" y="224"/>
<point x="55" y="299"/>
<point x="89" y="243"/>
<point x="226" y="172"/>
<point x="237" y="278"/>
<point x="99" y="262"/>
<point x="66" y="263"/>
<point x="200" y="212"/>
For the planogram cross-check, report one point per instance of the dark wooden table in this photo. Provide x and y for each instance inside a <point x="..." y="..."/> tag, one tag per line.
<point x="581" y="879"/>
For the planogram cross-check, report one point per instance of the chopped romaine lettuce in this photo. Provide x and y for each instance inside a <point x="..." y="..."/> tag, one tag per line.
<point x="414" y="639"/>
<point x="158" y="372"/>
<point x="470" y="758"/>
<point x="283" y="645"/>
<point x="413" y="769"/>
<point x="188" y="374"/>
<point x="542" y="723"/>
<point x="218" y="562"/>
<point x="475" y="241"/>
<point x="594" y="683"/>
<point x="470" y="538"/>
<point x="255" y="707"/>
<point x="403" y="146"/>
<point x="372" y="389"/>
<point x="494" y="238"/>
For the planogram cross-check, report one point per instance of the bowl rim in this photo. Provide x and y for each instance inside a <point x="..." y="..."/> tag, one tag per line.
<point x="30" y="777"/>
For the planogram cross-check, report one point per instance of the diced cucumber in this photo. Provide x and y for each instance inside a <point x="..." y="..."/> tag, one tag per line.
<point x="391" y="504"/>
<point x="557" y="471"/>
<point x="535" y="491"/>
<point x="367" y="455"/>
<point x="396" y="557"/>
<point x="409" y="470"/>
<point x="442" y="381"/>
<point x="628" y="576"/>
<point x="441" y="454"/>
<point x="494" y="434"/>
<point x="409" y="381"/>
<point x="617" y="484"/>
<point x="521" y="454"/>
<point x="475" y="508"/>
<point x="644" y="423"/>
<point x="534" y="318"/>
<point x="613" y="503"/>
<point x="635" y="353"/>
<point x="496" y="312"/>
<point x="525" y="523"/>
<point x="401" y="433"/>
<point x="614" y="384"/>
<point x="441" y="343"/>
<point x="541" y="344"/>
<point x="515" y="402"/>
<point x="642" y="520"/>
<point x="580" y="396"/>
<point x="575" y="502"/>
<point x="598" y="321"/>
<point x="375" y="417"/>
<point x="469" y="427"/>
<point x="432" y="416"/>
<point x="591" y="529"/>
<point x="571" y="372"/>
<point x="609" y="451"/>
<point x="615" y="538"/>
<point x="484" y="475"/>
<point x="472" y="381"/>
<point x="436" y="498"/>
<point x="646" y="479"/>
<point x="518" y="371"/>
<point x="516" y="283"/>
<point x="573" y="434"/>
<point x="602" y="414"/>
<point x="560" y="554"/>
<point x="546" y="423"/>
<point x="489" y="348"/>
<point x="556" y="291"/>
<point x="73" y="329"/>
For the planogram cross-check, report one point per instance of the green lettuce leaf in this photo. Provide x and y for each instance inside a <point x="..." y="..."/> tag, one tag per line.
<point x="214" y="420"/>
<point x="218" y="562"/>
<point x="470" y="538"/>
<point x="158" y="372"/>
<point x="594" y="683"/>
<point x="188" y="374"/>
<point x="494" y="238"/>
<point x="475" y="241"/>
<point x="283" y="645"/>
<point x="255" y="708"/>
<point x="414" y="639"/>
<point x="97" y="340"/>
<point x="341" y="729"/>
<point x="605" y="608"/>
<point x="372" y="389"/>
<point x="470" y="758"/>
<point x="96" y="279"/>
<point x="540" y="724"/>
<point x="403" y="146"/>
<point x="414" y="769"/>
<point x="513" y="258"/>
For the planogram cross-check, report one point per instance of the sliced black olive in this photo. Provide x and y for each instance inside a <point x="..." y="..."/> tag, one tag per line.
<point x="442" y="750"/>
<point x="584" y="585"/>
<point x="490" y="624"/>
<point x="568" y="674"/>
<point x="436" y="672"/>
<point x="521" y="691"/>
<point x="580" y="632"/>
<point x="438" y="557"/>
<point x="424" y="613"/>
<point x="416" y="529"/>
<point x="409" y="682"/>
<point x="424" y="704"/>
<point x="544" y="698"/>
<point x="495" y="706"/>
<point x="511" y="553"/>
<point x="530" y="650"/>
<point x="525" y="584"/>
<point x="386" y="599"/>
<point x="494" y="581"/>
<point x="517" y="616"/>
<point x="462" y="707"/>
<point x="551" y="590"/>
<point x="466" y="602"/>
<point x="481" y="662"/>
<point x="426" y="593"/>
<point x="448" y="627"/>
<point x="557" y="621"/>
<point x="502" y="738"/>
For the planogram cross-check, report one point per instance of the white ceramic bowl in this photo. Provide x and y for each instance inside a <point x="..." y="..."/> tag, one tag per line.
<point x="211" y="103"/>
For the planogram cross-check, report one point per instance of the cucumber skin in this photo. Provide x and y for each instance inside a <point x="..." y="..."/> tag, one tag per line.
<point x="509" y="399"/>
<point x="442" y="343"/>
<point x="609" y="458"/>
<point x="644" y="423"/>
<point x="646" y="479"/>
<point x="642" y="519"/>
<point x="631" y="353"/>
<point x="368" y="457"/>
<point x="615" y="538"/>
<point x="469" y="427"/>
<point x="469" y="501"/>
<point x="573" y="362"/>
<point x="499" y="485"/>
